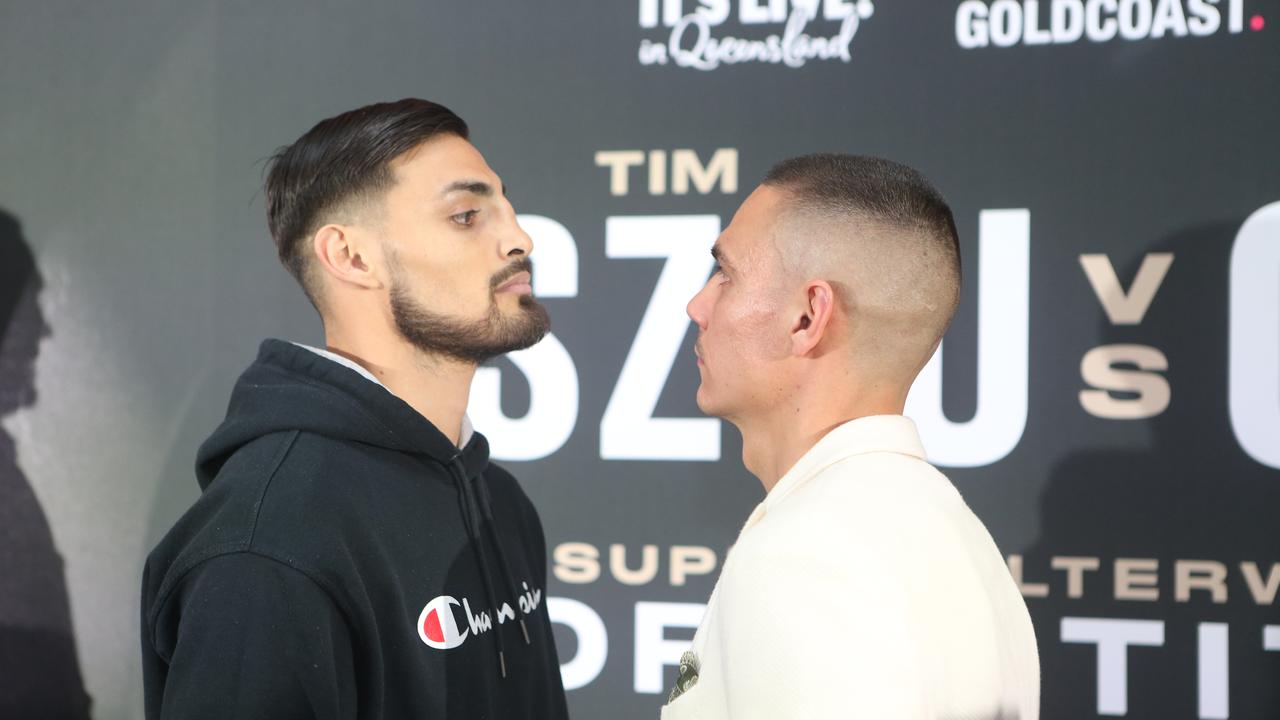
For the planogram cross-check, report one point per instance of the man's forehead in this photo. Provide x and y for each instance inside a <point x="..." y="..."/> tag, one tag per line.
<point x="444" y="165"/>
<point x="752" y="227"/>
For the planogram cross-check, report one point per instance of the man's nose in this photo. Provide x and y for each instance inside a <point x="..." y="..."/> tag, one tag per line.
<point x="696" y="309"/>
<point x="515" y="241"/>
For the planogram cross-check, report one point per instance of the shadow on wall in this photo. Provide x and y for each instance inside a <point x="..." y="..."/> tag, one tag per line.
<point x="1187" y="492"/>
<point x="39" y="672"/>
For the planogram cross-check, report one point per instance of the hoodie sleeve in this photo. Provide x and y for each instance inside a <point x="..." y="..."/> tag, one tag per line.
<point x="246" y="636"/>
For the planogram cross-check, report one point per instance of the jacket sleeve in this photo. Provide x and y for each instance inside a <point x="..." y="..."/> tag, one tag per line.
<point x="817" y="637"/>
<point x="245" y="636"/>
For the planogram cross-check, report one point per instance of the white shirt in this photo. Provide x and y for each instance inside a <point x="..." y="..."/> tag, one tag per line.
<point x="864" y="587"/>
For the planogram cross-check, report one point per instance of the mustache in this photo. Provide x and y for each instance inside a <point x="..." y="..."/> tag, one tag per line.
<point x="524" y="264"/>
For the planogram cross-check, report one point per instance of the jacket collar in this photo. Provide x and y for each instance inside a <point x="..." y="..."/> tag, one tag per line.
<point x="876" y="433"/>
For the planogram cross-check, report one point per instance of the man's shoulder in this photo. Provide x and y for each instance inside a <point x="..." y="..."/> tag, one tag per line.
<point x="874" y="509"/>
<point x="877" y="489"/>
<point x="298" y="473"/>
<point x="275" y="493"/>
<point x="502" y="480"/>
<point x="221" y="519"/>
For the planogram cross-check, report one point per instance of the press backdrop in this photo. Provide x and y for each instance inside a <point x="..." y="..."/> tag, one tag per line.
<point x="1107" y="401"/>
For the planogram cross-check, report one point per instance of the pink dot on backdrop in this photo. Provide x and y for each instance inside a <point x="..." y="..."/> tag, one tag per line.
<point x="1257" y="23"/>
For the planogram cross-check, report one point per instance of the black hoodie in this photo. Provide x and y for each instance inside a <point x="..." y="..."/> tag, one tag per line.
<point x="346" y="561"/>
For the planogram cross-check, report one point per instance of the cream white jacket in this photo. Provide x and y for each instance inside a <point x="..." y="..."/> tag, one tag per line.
<point x="864" y="587"/>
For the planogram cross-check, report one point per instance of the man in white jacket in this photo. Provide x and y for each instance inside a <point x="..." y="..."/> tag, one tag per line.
<point x="862" y="586"/>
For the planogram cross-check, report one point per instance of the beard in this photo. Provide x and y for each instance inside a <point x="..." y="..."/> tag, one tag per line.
<point x="473" y="341"/>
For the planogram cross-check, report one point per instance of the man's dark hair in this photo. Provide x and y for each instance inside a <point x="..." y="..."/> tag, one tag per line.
<point x="341" y="159"/>
<point x="860" y="186"/>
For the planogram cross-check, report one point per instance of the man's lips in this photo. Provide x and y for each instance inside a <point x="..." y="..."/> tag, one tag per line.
<point x="521" y="283"/>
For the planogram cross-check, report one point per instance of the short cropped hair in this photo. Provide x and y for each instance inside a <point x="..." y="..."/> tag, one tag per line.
<point x="341" y="159"/>
<point x="869" y="188"/>
<point x="886" y="239"/>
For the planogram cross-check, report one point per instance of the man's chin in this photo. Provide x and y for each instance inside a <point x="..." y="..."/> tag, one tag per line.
<point x="704" y="402"/>
<point x="532" y="321"/>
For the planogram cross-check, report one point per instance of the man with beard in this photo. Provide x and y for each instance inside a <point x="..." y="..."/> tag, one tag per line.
<point x="354" y="554"/>
<point x="862" y="586"/>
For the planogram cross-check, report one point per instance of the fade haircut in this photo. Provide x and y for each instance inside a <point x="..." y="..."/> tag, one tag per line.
<point x="885" y="229"/>
<point x="342" y="160"/>
<point x="869" y="188"/>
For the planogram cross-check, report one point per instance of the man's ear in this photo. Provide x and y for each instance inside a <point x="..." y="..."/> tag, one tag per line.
<point x="346" y="257"/>
<point x="814" y="317"/>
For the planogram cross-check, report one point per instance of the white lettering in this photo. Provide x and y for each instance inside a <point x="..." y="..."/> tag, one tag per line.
<point x="593" y="641"/>
<point x="1096" y="27"/>
<point x="1032" y="33"/>
<point x="628" y="430"/>
<point x="1006" y="23"/>
<point x="1235" y="15"/>
<point x="1205" y="18"/>
<point x="715" y="11"/>
<point x="1271" y="638"/>
<point x="505" y="613"/>
<point x="648" y="13"/>
<point x="692" y="45"/>
<point x="480" y="622"/>
<point x="1113" y="638"/>
<point x="653" y="650"/>
<point x="1135" y="19"/>
<point x="752" y="12"/>
<point x="1169" y="18"/>
<point x="837" y="9"/>
<point x="1212" y="669"/>
<point x="552" y="376"/>
<point x="1066" y="21"/>
<point x="1253" y="369"/>
<point x="1004" y="277"/>
<point x="971" y="24"/>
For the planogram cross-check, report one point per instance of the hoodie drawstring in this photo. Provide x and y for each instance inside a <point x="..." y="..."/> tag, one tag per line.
<point x="471" y="518"/>
<point x="486" y="508"/>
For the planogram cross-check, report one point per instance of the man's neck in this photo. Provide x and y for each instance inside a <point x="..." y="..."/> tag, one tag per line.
<point x="771" y="445"/>
<point x="769" y="451"/>
<point x="437" y="387"/>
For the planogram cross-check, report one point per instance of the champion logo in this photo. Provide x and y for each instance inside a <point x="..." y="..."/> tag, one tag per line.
<point x="438" y="627"/>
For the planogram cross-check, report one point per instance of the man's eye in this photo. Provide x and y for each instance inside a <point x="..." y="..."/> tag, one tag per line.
<point x="464" y="218"/>
<point x="718" y="270"/>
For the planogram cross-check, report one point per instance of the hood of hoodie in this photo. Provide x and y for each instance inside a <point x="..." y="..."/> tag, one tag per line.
<point x="292" y="388"/>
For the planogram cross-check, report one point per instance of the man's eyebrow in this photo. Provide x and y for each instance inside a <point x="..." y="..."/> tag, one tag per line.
<point x="475" y="187"/>
<point x="718" y="254"/>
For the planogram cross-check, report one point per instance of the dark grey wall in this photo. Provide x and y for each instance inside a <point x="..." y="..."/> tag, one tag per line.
<point x="131" y="147"/>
